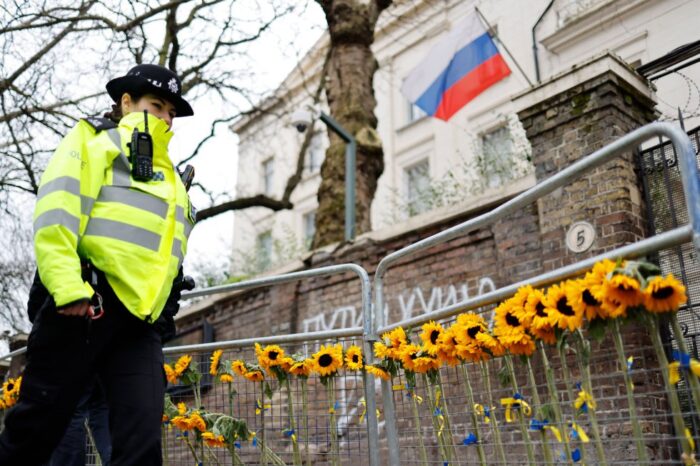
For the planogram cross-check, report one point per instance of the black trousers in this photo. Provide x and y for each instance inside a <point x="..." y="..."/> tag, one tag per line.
<point x="64" y="354"/>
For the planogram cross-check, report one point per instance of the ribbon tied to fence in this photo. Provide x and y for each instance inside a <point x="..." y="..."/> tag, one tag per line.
<point x="682" y="361"/>
<point x="516" y="402"/>
<point x="484" y="411"/>
<point x="363" y="403"/>
<point x="470" y="439"/>
<point x="543" y="425"/>
<point x="584" y="401"/>
<point x="259" y="407"/>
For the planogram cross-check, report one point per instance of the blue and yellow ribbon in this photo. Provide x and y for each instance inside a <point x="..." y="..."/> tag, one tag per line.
<point x="289" y="433"/>
<point x="682" y="361"/>
<point x="578" y="432"/>
<point x="516" y="402"/>
<point x="470" y="439"/>
<point x="543" y="425"/>
<point x="363" y="403"/>
<point x="259" y="407"/>
<point x="441" y="420"/>
<point x="334" y="408"/>
<point x="254" y="439"/>
<point x="411" y="393"/>
<point x="584" y="401"/>
<point x="484" y="411"/>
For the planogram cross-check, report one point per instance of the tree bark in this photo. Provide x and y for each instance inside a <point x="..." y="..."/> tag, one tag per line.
<point x="350" y="94"/>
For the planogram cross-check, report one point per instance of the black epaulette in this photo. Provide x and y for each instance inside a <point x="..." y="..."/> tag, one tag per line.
<point x="100" y="123"/>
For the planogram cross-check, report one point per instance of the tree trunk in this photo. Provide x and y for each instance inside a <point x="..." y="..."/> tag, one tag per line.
<point x="350" y="94"/>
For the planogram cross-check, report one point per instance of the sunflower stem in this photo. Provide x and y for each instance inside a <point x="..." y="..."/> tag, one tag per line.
<point x="554" y="399"/>
<point x="539" y="415"/>
<point x="436" y="424"/>
<point x="475" y="421"/>
<point x="629" y="386"/>
<point x="492" y="417"/>
<point x="448" y="425"/>
<point x="570" y="393"/>
<point x="683" y="347"/>
<point x="305" y="419"/>
<point x="230" y="399"/>
<point x="235" y="459"/>
<point x="330" y="387"/>
<point x="585" y="369"/>
<point x="292" y="424"/>
<point x="521" y="416"/>
<point x="676" y="413"/>
<point x="263" y="450"/>
<point x="212" y="455"/>
<point x="416" y="419"/>
<point x="192" y="449"/>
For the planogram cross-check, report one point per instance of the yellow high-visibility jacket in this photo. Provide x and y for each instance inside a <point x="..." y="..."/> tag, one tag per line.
<point x="90" y="208"/>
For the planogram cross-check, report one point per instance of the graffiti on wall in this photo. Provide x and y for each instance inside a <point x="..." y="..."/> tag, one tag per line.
<point x="410" y="303"/>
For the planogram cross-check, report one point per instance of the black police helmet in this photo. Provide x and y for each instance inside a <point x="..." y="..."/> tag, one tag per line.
<point x="153" y="79"/>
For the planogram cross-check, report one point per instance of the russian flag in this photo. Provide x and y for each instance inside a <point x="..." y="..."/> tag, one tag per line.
<point x="460" y="67"/>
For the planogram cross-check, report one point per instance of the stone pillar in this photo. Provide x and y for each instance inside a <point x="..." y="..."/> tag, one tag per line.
<point x="568" y="117"/>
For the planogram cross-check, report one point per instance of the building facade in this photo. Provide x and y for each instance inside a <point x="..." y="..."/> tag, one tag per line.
<point x="480" y="155"/>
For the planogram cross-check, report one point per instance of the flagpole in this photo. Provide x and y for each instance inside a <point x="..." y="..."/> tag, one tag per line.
<point x="490" y="29"/>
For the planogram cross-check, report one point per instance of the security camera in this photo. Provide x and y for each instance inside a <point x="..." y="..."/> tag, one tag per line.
<point x="301" y="119"/>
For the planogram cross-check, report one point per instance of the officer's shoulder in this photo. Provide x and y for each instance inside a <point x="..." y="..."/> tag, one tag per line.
<point x="98" y="124"/>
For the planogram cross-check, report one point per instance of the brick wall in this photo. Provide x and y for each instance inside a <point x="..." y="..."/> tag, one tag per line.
<point x="562" y="128"/>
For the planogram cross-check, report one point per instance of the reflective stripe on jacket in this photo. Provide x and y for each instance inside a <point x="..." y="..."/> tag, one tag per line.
<point x="89" y="207"/>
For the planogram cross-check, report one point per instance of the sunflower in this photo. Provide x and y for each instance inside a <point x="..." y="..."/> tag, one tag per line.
<point x="181" y="422"/>
<point x="181" y="409"/>
<point x="381" y="351"/>
<point x="580" y="294"/>
<point x="664" y="294"/>
<point x="182" y="364"/>
<point x="395" y="339"/>
<point x="447" y="348"/>
<point x="546" y="334"/>
<point x="170" y="373"/>
<point x="302" y="368"/>
<point x="517" y="305"/>
<point x="430" y="336"/>
<point x="353" y="358"/>
<point x="328" y="360"/>
<point x="537" y="311"/>
<point x="254" y="376"/>
<point x="196" y="422"/>
<point x="467" y="327"/>
<point x="561" y="313"/>
<point x="378" y="372"/>
<point x="517" y="342"/>
<point x="239" y="367"/>
<point x="213" y="440"/>
<point x="286" y="363"/>
<point x="415" y="358"/>
<point x="270" y="356"/>
<point x="215" y="358"/>
<point x="10" y="392"/>
<point x="622" y="289"/>
<point x="491" y="344"/>
<point x="505" y="320"/>
<point x="226" y="378"/>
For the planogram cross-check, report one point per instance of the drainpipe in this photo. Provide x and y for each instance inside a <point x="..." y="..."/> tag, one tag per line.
<point x="534" y="41"/>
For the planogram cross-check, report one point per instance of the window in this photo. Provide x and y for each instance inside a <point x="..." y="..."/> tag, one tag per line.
<point x="268" y="172"/>
<point x="264" y="250"/>
<point x="315" y="153"/>
<point x="417" y="187"/>
<point x="415" y="112"/>
<point x="497" y="155"/>
<point x="309" y="228"/>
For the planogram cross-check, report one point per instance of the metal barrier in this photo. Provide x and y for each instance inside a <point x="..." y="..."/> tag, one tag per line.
<point x="362" y="332"/>
<point x="627" y="143"/>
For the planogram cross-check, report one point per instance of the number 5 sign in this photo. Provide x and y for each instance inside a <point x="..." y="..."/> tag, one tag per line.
<point x="580" y="237"/>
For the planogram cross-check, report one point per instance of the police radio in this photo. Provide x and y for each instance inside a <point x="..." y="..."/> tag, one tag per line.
<point x="141" y="151"/>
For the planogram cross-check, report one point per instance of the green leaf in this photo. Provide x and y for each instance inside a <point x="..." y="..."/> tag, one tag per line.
<point x="597" y="329"/>
<point x="267" y="390"/>
<point x="504" y="376"/>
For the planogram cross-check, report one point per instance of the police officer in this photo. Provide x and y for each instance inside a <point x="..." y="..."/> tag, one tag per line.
<point x="110" y="235"/>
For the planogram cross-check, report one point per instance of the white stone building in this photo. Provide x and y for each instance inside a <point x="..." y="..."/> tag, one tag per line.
<point x="434" y="167"/>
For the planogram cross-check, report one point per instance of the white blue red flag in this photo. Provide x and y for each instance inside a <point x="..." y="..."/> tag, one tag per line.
<point x="457" y="69"/>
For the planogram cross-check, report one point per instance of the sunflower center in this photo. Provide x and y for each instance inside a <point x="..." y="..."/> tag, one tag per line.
<point x="663" y="293"/>
<point x="512" y="320"/>
<point x="10" y="387"/>
<point x="273" y="355"/>
<point x="413" y="355"/>
<point x="473" y="331"/>
<point x="564" y="308"/>
<point x="434" y="336"/>
<point x="539" y="310"/>
<point x="325" y="360"/>
<point x="589" y="299"/>
<point x="355" y="358"/>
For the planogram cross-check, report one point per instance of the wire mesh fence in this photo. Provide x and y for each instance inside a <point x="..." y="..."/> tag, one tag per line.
<point x="287" y="421"/>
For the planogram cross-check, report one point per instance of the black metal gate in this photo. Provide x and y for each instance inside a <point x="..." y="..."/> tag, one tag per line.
<point x="666" y="210"/>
